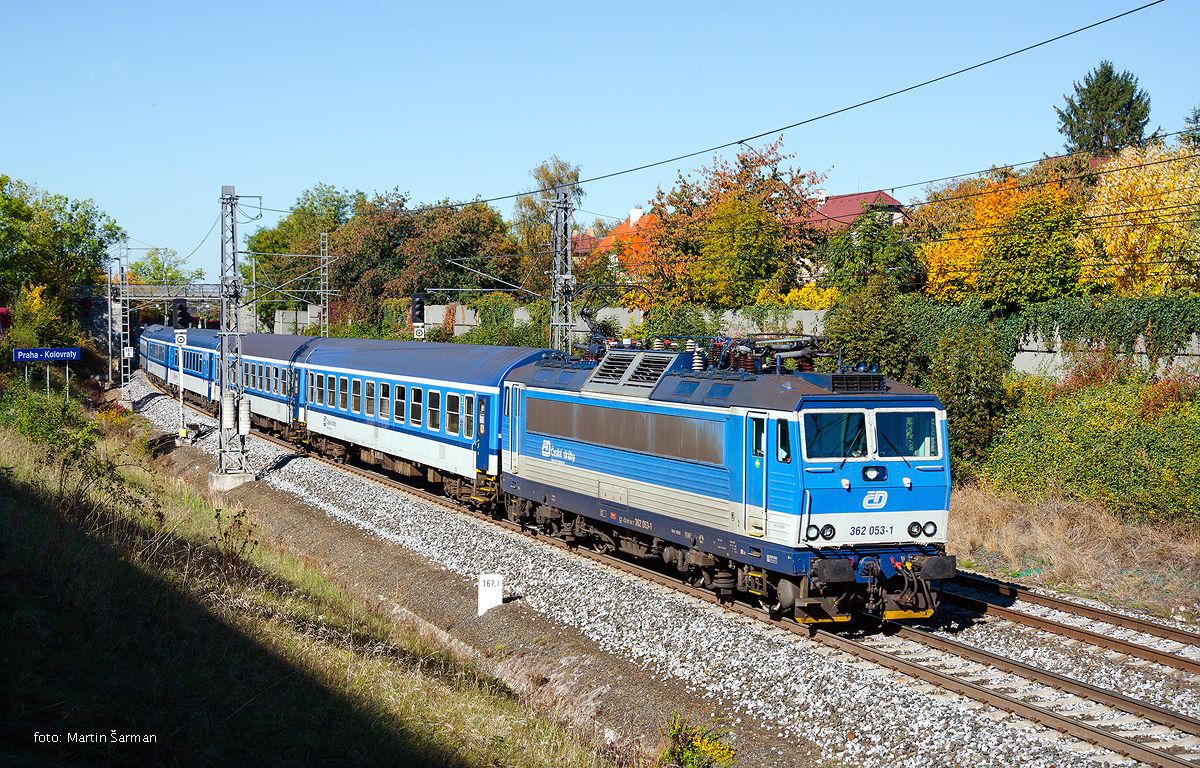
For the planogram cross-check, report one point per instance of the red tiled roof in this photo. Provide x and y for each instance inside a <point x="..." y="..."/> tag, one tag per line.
<point x="584" y="243"/>
<point x="624" y="230"/>
<point x="840" y="211"/>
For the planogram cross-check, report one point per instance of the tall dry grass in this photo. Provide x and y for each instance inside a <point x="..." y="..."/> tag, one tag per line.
<point x="1077" y="547"/>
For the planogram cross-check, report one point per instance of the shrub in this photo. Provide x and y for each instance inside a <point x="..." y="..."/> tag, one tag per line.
<point x="693" y="746"/>
<point x="968" y="375"/>
<point x="871" y="325"/>
<point x="1101" y="442"/>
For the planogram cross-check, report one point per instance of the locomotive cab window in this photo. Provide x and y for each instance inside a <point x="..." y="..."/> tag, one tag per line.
<point x="385" y="401"/>
<point x="435" y="409"/>
<point x="783" y="442"/>
<point x="370" y="398"/>
<point x="416" y="400"/>
<point x="758" y="436"/>
<point x="835" y="435"/>
<point x="906" y="434"/>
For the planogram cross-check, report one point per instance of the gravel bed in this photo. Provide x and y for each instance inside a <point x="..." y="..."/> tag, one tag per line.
<point x="854" y="711"/>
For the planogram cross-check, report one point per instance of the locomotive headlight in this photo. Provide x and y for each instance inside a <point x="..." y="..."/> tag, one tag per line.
<point x="827" y="532"/>
<point x="930" y="528"/>
<point x="812" y="532"/>
<point x="914" y="529"/>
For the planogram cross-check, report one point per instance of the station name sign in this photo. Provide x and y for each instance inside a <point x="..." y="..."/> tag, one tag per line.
<point x="46" y="355"/>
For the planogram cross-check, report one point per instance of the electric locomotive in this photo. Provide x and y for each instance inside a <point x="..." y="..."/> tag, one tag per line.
<point x="819" y="496"/>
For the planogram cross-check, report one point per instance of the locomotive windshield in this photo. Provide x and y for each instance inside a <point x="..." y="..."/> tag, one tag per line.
<point x="835" y="435"/>
<point x="906" y="433"/>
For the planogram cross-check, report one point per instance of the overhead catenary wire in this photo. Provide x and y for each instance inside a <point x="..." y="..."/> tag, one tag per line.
<point x="789" y="126"/>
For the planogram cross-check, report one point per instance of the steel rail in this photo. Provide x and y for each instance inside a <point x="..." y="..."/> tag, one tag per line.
<point x="1137" y="650"/>
<point x="1091" y="734"/>
<point x="1027" y="595"/>
<point x="1143" y="709"/>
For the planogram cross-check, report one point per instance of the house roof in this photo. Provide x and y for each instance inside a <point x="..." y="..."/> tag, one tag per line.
<point x="624" y="231"/>
<point x="840" y="211"/>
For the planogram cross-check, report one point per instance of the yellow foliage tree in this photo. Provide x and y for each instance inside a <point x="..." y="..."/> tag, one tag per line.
<point x="952" y="261"/>
<point x="1141" y="233"/>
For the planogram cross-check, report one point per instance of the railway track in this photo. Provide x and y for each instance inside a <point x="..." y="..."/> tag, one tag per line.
<point x="1138" y="730"/>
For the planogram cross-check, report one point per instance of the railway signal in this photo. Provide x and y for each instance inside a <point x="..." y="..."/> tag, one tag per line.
<point x="179" y="314"/>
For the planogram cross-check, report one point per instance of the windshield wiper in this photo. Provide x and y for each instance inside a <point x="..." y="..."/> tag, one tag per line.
<point x="862" y="428"/>
<point x="892" y="445"/>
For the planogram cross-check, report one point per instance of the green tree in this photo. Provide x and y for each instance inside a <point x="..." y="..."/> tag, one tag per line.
<point x="533" y="214"/>
<point x="739" y="252"/>
<point x="163" y="266"/>
<point x="968" y="376"/>
<point x="1191" y="129"/>
<point x="1033" y="256"/>
<point x="870" y="325"/>
<point x="873" y="245"/>
<point x="51" y="240"/>
<point x="1107" y="112"/>
<point x="281" y="278"/>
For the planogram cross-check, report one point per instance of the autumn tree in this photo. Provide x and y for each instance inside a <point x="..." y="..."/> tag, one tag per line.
<point x="1107" y="112"/>
<point x="1016" y="247"/>
<point x="1142" y="236"/>
<point x="163" y="266"/>
<point x="698" y="210"/>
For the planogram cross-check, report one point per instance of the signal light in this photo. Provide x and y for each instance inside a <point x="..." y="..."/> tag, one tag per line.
<point x="930" y="528"/>
<point x="827" y="532"/>
<point x="179" y="314"/>
<point x="914" y="529"/>
<point x="812" y="532"/>
<point x="418" y="308"/>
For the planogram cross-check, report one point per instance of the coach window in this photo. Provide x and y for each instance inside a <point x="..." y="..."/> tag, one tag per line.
<point x="343" y="388"/>
<point x="258" y="376"/>
<point x="453" y="415"/>
<point x="758" y="434"/>
<point x="312" y="389"/>
<point x="320" y="377"/>
<point x="469" y="416"/>
<point x="783" y="442"/>
<point x="399" y="404"/>
<point x="356" y="395"/>
<point x="414" y="407"/>
<point x="370" y="398"/>
<point x="385" y="400"/>
<point x="435" y="409"/>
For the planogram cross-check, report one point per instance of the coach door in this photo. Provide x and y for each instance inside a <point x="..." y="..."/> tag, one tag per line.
<point x="755" y="475"/>
<point x="511" y="444"/>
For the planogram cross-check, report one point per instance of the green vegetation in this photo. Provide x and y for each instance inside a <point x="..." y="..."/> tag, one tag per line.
<point x="1106" y="113"/>
<point x="1110" y="433"/>
<point x="689" y="745"/>
<point x="132" y="605"/>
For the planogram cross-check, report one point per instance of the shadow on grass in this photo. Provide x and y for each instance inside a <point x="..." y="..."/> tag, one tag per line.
<point x="92" y="644"/>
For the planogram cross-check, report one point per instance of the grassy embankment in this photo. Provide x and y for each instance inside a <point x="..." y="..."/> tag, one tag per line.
<point x="1093" y="485"/>
<point x="132" y="606"/>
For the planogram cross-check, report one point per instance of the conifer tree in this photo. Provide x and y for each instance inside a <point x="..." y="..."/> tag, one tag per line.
<point x="1107" y="113"/>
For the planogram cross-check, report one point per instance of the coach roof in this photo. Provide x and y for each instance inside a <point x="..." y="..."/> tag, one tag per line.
<point x="460" y="363"/>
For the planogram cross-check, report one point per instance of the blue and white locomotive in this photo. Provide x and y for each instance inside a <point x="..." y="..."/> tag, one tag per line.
<point x="820" y="496"/>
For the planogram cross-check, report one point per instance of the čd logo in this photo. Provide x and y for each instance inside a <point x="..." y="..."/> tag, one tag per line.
<point x="875" y="500"/>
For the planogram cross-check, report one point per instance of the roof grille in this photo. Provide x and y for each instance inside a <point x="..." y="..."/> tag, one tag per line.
<point x="856" y="382"/>
<point x="629" y="372"/>
<point x="613" y="368"/>
<point x="649" y="370"/>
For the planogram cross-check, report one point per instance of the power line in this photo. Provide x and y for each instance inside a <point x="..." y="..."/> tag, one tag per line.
<point x="797" y="124"/>
<point x="205" y="240"/>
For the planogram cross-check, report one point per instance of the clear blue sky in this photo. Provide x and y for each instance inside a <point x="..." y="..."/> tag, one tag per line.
<point x="148" y="108"/>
